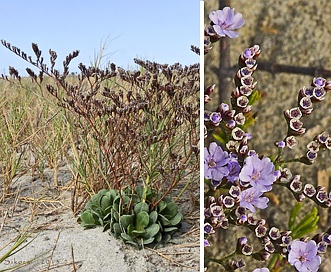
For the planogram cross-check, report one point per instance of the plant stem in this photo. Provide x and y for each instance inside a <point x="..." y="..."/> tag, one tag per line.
<point x="222" y="261"/>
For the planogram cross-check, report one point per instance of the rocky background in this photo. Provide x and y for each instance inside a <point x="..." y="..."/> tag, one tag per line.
<point x="289" y="32"/>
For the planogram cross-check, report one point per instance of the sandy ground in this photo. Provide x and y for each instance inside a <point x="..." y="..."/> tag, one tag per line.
<point x="68" y="247"/>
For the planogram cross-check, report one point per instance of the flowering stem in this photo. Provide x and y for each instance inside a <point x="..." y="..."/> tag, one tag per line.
<point x="291" y="160"/>
<point x="222" y="261"/>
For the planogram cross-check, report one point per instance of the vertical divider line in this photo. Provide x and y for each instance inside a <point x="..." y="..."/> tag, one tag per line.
<point x="201" y="134"/>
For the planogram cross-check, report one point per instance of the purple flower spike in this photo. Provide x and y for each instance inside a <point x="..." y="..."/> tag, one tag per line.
<point x="225" y="22"/>
<point x="259" y="173"/>
<point x="304" y="256"/>
<point x="252" y="197"/>
<point x="215" y="163"/>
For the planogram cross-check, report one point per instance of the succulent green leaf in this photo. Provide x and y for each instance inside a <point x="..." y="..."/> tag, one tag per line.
<point x="170" y="210"/>
<point x="158" y="237"/>
<point x="163" y="220"/>
<point x="117" y="230"/>
<point x="148" y="241"/>
<point x="176" y="219"/>
<point x="139" y="191"/>
<point x="153" y="217"/>
<point x="112" y="194"/>
<point x="142" y="220"/>
<point x="162" y="204"/>
<point x="169" y="229"/>
<point x="142" y="206"/>
<point x="139" y="232"/>
<point x="126" y="237"/>
<point x="89" y="219"/>
<point x="126" y="220"/>
<point x="115" y="215"/>
<point x="105" y="202"/>
<point x="130" y="229"/>
<point x="152" y="230"/>
<point x="135" y="244"/>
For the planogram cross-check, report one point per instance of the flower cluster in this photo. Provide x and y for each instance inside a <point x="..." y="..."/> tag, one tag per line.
<point x="239" y="177"/>
<point x="307" y="96"/>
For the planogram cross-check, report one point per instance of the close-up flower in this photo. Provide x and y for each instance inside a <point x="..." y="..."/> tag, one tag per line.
<point x="226" y="22"/>
<point x="304" y="256"/>
<point x="215" y="162"/>
<point x="259" y="173"/>
<point x="252" y="198"/>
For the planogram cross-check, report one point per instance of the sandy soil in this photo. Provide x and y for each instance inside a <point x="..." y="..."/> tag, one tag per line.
<point x="68" y="247"/>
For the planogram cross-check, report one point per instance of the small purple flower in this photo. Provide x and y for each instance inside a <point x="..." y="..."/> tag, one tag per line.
<point x="258" y="172"/>
<point x="215" y="163"/>
<point x="304" y="256"/>
<point x="264" y="269"/>
<point x="252" y="197"/>
<point x="208" y="229"/>
<point x="206" y="243"/>
<point x="225" y="22"/>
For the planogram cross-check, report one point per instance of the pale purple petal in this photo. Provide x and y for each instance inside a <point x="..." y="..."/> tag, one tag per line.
<point x="304" y="256"/>
<point x="259" y="173"/>
<point x="311" y="248"/>
<point x="252" y="197"/>
<point x="230" y="33"/>
<point x="225" y="21"/>
<point x="215" y="162"/>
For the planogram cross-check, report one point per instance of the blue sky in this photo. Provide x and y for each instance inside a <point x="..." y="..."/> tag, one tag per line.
<point x="157" y="30"/>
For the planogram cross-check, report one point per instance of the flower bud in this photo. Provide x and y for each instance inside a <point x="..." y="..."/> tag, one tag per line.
<point x="322" y="247"/>
<point x="260" y="231"/>
<point x="237" y="134"/>
<point x="318" y="94"/>
<point x="321" y="196"/>
<point x="228" y="202"/>
<point x="319" y="82"/>
<point x="293" y="113"/>
<point x="242" y="101"/>
<point x="274" y="233"/>
<point x="296" y="184"/>
<point x="291" y="141"/>
<point x="309" y="190"/>
<point x="208" y="229"/>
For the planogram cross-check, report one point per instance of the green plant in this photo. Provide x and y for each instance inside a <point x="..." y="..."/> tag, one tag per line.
<point x="140" y="225"/>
